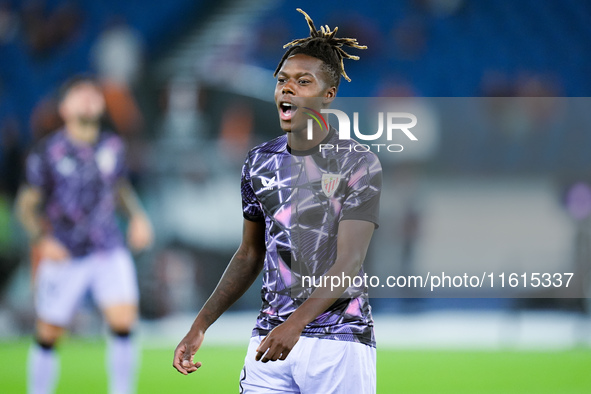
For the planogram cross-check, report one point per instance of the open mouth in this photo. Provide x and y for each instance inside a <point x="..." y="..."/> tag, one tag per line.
<point x="287" y="110"/>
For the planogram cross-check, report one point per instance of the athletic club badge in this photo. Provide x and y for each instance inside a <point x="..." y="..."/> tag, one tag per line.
<point x="330" y="182"/>
<point x="106" y="161"/>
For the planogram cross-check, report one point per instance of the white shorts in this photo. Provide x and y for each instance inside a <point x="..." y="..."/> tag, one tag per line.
<point x="109" y="276"/>
<point x="313" y="366"/>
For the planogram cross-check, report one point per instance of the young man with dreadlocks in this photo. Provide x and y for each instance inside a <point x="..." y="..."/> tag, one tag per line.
<point x="309" y="213"/>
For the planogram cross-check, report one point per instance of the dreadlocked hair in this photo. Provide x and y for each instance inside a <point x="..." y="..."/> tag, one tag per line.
<point x="322" y="44"/>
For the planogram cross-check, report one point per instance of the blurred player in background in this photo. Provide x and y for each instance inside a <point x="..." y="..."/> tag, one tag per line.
<point x="308" y="211"/>
<point x="75" y="179"/>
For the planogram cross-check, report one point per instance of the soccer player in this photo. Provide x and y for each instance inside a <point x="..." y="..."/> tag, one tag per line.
<point x="309" y="212"/>
<point x="75" y="179"/>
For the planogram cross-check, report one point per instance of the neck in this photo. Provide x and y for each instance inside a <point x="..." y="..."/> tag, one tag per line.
<point x="298" y="140"/>
<point x="83" y="133"/>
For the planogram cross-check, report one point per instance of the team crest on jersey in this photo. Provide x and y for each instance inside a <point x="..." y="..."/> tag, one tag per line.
<point x="106" y="161"/>
<point x="330" y="182"/>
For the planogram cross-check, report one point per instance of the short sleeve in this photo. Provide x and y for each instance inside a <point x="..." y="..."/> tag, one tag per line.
<point x="37" y="170"/>
<point x="251" y="208"/>
<point x="364" y="187"/>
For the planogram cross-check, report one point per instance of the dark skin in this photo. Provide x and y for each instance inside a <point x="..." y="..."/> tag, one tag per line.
<point x="301" y="82"/>
<point x="244" y="267"/>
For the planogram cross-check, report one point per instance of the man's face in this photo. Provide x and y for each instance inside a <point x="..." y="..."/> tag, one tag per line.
<point x="300" y="83"/>
<point x="84" y="102"/>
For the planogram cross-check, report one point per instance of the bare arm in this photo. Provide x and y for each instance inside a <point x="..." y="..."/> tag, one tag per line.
<point x="28" y="204"/>
<point x="44" y="245"/>
<point x="128" y="199"/>
<point x="139" y="231"/>
<point x="352" y="243"/>
<point x="243" y="269"/>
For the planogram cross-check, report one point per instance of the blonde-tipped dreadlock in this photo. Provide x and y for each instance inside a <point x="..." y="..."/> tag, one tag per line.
<point x="323" y="45"/>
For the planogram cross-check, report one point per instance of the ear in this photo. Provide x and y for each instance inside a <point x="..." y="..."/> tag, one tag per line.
<point x="329" y="95"/>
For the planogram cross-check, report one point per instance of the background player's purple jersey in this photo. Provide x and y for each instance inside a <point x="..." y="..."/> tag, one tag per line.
<point x="302" y="197"/>
<point x="78" y="183"/>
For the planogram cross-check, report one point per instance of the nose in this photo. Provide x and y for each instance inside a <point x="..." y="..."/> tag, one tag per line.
<point x="287" y="89"/>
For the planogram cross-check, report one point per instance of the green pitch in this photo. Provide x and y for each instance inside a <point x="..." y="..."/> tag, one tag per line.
<point x="404" y="371"/>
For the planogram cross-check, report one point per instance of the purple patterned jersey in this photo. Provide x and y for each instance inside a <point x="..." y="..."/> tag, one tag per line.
<point x="78" y="183"/>
<point x="302" y="197"/>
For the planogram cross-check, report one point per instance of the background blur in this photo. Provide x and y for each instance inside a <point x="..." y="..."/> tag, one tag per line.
<point x="503" y="183"/>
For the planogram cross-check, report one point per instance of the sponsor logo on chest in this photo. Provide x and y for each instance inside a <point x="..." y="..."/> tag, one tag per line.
<point x="268" y="184"/>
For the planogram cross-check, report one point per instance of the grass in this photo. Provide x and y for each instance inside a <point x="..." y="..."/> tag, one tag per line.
<point x="399" y="371"/>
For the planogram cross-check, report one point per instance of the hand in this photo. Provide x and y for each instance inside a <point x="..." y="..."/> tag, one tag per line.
<point x="279" y="342"/>
<point x="185" y="351"/>
<point x="139" y="233"/>
<point x="49" y="248"/>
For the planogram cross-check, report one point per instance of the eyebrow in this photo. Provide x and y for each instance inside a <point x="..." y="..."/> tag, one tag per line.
<point x="305" y="73"/>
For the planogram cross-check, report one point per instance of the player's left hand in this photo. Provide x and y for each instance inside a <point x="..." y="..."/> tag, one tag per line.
<point x="278" y="343"/>
<point x="139" y="233"/>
